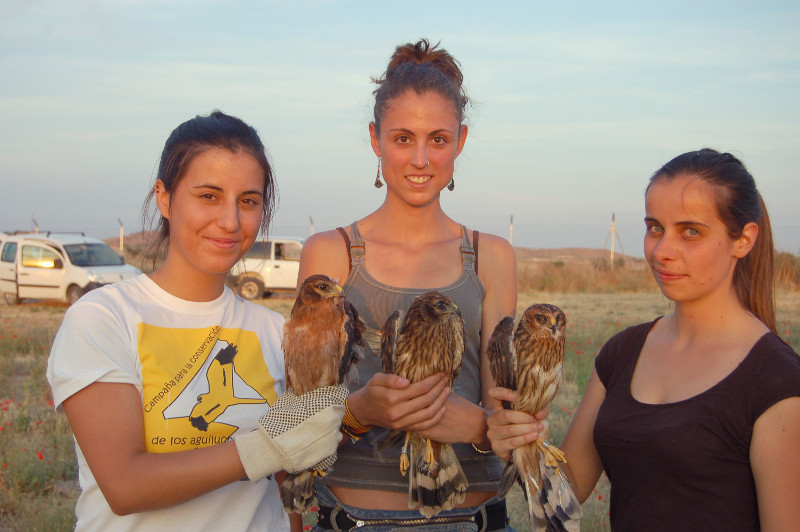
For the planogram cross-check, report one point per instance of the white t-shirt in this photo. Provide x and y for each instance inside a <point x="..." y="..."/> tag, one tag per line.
<point x="206" y="372"/>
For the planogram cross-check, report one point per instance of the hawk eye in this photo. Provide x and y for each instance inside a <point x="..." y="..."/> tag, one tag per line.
<point x="322" y="286"/>
<point x="540" y="319"/>
<point x="441" y="305"/>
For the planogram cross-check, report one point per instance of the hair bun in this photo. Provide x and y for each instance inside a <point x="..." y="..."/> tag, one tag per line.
<point x="421" y="67"/>
<point x="423" y="52"/>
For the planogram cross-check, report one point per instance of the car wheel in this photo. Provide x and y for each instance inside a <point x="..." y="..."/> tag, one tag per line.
<point x="11" y="299"/>
<point x="74" y="293"/>
<point x="250" y="288"/>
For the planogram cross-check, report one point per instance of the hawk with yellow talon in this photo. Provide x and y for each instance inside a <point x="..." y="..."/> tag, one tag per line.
<point x="428" y="340"/>
<point x="529" y="361"/>
<point x="323" y="340"/>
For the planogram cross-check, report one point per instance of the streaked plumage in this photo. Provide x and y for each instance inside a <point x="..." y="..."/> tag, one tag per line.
<point x="529" y="361"/>
<point x="322" y="342"/>
<point x="428" y="340"/>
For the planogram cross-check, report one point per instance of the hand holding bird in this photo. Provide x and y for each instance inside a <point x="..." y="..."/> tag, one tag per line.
<point x="429" y="339"/>
<point x="529" y="361"/>
<point x="322" y="342"/>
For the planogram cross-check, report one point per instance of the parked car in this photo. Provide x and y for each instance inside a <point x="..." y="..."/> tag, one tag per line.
<point x="270" y="266"/>
<point x="61" y="266"/>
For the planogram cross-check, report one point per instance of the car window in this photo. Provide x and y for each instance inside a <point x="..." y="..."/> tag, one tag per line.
<point x="290" y="251"/>
<point x="38" y="257"/>
<point x="9" y="252"/>
<point x="92" y="254"/>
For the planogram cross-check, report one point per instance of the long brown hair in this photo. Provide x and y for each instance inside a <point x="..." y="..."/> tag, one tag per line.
<point x="738" y="203"/>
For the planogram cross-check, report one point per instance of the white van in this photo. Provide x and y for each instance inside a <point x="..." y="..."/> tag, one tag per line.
<point x="61" y="266"/>
<point x="271" y="265"/>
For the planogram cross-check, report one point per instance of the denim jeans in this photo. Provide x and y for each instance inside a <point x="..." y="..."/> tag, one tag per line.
<point x="326" y="498"/>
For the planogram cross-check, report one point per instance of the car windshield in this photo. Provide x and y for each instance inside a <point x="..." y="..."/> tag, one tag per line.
<point x="92" y="255"/>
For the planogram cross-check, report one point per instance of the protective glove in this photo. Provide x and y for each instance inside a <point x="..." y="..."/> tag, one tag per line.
<point x="296" y="433"/>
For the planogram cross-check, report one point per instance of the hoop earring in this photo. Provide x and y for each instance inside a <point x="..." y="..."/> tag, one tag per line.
<point x="378" y="182"/>
<point x="452" y="184"/>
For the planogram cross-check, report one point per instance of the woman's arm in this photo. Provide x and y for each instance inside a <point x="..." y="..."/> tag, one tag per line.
<point x="497" y="270"/>
<point x="106" y="419"/>
<point x="776" y="465"/>
<point x="583" y="465"/>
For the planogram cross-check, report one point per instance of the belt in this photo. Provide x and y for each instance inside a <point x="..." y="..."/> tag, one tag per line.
<point x="490" y="517"/>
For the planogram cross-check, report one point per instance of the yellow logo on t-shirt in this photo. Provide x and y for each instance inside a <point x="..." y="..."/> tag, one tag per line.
<point x="201" y="385"/>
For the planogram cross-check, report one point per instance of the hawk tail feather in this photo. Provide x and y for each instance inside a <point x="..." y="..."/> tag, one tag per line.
<point x="436" y="488"/>
<point x="553" y="505"/>
<point x="561" y="507"/>
<point x="509" y="476"/>
<point x="297" y="491"/>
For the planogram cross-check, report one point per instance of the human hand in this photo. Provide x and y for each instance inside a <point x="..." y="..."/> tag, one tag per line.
<point x="296" y="433"/>
<point x="393" y="402"/>
<point x="510" y="429"/>
<point x="463" y="421"/>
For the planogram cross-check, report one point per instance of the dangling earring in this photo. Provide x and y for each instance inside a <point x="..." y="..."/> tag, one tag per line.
<point x="452" y="184"/>
<point x="378" y="182"/>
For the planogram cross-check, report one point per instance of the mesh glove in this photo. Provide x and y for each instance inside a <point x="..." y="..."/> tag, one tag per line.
<point x="296" y="433"/>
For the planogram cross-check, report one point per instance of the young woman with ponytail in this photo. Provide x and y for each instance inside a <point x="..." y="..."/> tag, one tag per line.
<point x="694" y="417"/>
<point x="406" y="247"/>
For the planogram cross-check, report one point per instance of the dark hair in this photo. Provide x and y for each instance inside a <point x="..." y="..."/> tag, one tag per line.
<point x="738" y="203"/>
<point x="422" y="68"/>
<point x="190" y="139"/>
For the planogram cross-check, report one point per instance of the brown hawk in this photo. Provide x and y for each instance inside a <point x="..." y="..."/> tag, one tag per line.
<point x="429" y="339"/>
<point x="322" y="342"/>
<point x="529" y="361"/>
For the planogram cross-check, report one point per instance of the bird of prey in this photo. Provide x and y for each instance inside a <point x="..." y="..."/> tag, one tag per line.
<point x="322" y="342"/>
<point x="529" y="361"/>
<point x="429" y="339"/>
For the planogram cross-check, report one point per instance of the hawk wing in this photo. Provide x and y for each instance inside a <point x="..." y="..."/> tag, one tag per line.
<point x="460" y="338"/>
<point x="502" y="356"/>
<point x="390" y="332"/>
<point x="355" y="346"/>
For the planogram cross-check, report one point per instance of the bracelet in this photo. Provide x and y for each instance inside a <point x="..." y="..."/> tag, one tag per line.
<point x="351" y="426"/>
<point x="481" y="451"/>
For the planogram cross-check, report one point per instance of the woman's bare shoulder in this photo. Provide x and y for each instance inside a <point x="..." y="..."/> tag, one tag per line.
<point x="494" y="251"/>
<point x="325" y="240"/>
<point x="325" y="253"/>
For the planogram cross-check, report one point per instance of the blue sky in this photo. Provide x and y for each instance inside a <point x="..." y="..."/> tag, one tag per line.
<point x="575" y="105"/>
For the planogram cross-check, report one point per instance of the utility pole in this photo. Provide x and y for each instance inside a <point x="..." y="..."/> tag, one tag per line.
<point x="121" y="237"/>
<point x="613" y="234"/>
<point x="35" y="224"/>
<point x="511" y="231"/>
<point x="311" y="228"/>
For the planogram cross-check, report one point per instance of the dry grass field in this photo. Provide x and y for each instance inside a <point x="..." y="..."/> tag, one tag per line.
<point x="38" y="485"/>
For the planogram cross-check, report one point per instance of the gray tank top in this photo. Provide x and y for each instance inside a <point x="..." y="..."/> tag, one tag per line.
<point x="361" y="465"/>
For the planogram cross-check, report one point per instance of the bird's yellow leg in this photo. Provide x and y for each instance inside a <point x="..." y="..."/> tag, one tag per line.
<point x="552" y="454"/>
<point x="320" y="473"/>
<point x="429" y="452"/>
<point x="404" y="463"/>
